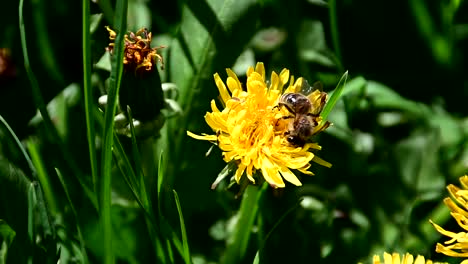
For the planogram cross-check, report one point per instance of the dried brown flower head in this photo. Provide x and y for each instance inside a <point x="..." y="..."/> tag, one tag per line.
<point x="139" y="57"/>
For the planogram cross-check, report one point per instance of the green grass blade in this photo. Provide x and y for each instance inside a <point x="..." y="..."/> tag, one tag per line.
<point x="166" y="228"/>
<point x="140" y="180"/>
<point x="8" y="235"/>
<point x="278" y="222"/>
<point x="132" y="189"/>
<point x="155" y="232"/>
<point x="170" y="253"/>
<point x="42" y="175"/>
<point x="161" y="171"/>
<point x="75" y="214"/>
<point x="130" y="177"/>
<point x="106" y="169"/>
<point x="153" y="228"/>
<point x="41" y="205"/>
<point x="243" y="229"/>
<point x="20" y="146"/>
<point x="169" y="232"/>
<point x="332" y="8"/>
<point x="182" y="230"/>
<point x="335" y="95"/>
<point x="257" y="258"/>
<point x="40" y="104"/>
<point x="31" y="205"/>
<point x="107" y="10"/>
<point x="88" y="93"/>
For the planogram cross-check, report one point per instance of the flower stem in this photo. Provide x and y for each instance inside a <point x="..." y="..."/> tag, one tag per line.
<point x="237" y="249"/>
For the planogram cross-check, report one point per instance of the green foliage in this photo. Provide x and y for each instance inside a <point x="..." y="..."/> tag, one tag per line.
<point x="81" y="184"/>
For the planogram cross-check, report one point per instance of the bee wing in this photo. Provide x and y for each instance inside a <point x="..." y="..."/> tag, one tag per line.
<point x="317" y="86"/>
<point x="307" y="89"/>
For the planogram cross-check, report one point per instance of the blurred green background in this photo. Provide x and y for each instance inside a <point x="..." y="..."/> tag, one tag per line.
<point x="399" y="133"/>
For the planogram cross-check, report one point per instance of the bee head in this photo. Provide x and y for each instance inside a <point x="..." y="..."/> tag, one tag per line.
<point x="296" y="103"/>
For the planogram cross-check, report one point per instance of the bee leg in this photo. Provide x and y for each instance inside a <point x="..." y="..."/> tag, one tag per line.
<point x="283" y="118"/>
<point x="218" y="132"/>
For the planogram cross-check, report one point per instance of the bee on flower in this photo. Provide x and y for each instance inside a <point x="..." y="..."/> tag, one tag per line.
<point x="264" y="129"/>
<point x="303" y="118"/>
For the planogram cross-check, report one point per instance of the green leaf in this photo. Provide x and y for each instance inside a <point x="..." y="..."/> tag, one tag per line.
<point x="186" y="255"/>
<point x="243" y="227"/>
<point x="161" y="171"/>
<point x="139" y="180"/>
<point x="88" y="92"/>
<point x="40" y="104"/>
<point x="384" y="97"/>
<point x="139" y="15"/>
<point x="42" y="175"/>
<point x="334" y="96"/>
<point x="106" y="158"/>
<point x="418" y="157"/>
<point x="15" y="185"/>
<point x="82" y="249"/>
<point x="32" y="200"/>
<point x="7" y="234"/>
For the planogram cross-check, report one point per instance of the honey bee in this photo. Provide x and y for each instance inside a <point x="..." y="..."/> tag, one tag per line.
<point x="305" y="108"/>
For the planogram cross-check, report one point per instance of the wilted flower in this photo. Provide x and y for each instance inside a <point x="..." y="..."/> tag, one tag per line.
<point x="141" y="88"/>
<point x="138" y="55"/>
<point x="457" y="245"/>
<point x="396" y="258"/>
<point x="254" y="131"/>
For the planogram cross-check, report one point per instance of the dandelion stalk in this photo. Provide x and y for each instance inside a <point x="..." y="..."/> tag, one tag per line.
<point x="243" y="229"/>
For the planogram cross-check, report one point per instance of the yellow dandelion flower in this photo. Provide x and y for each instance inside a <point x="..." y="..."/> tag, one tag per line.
<point x="396" y="258"/>
<point x="457" y="245"/>
<point x="139" y="57"/>
<point x="254" y="132"/>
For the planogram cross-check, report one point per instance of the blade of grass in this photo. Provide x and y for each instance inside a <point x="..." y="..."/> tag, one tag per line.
<point x="265" y="238"/>
<point x="152" y="223"/>
<point x="161" y="171"/>
<point x="335" y="95"/>
<point x="243" y="229"/>
<point x="31" y="231"/>
<point x="169" y="249"/>
<point x="88" y="93"/>
<point x="106" y="159"/>
<point x="334" y="31"/>
<point x="129" y="176"/>
<point x="21" y="147"/>
<point x="42" y="175"/>
<point x="107" y="10"/>
<point x="37" y="215"/>
<point x="8" y="235"/>
<point x="257" y="258"/>
<point x="42" y="208"/>
<point x="47" y="54"/>
<point x="155" y="233"/>
<point x="75" y="214"/>
<point x="165" y="226"/>
<point x="186" y="254"/>
<point x="140" y="180"/>
<point x="40" y="104"/>
<point x="132" y="188"/>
